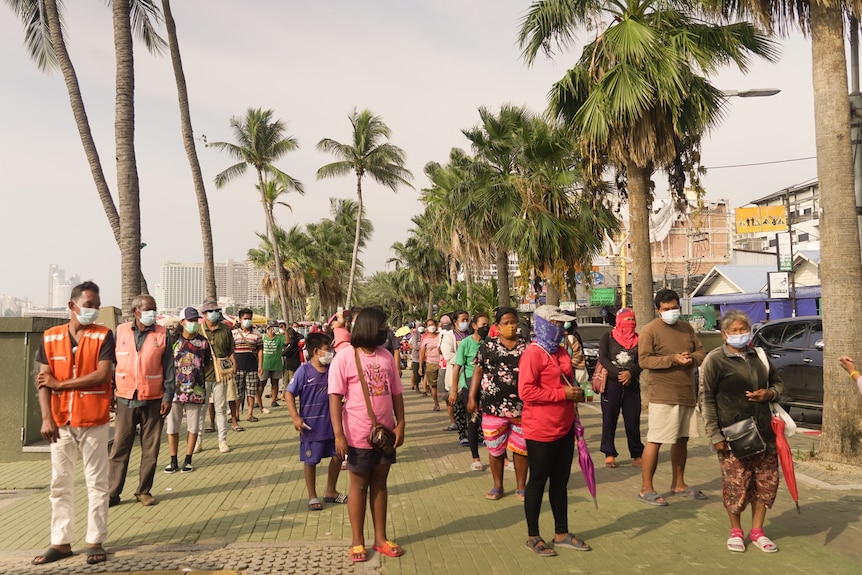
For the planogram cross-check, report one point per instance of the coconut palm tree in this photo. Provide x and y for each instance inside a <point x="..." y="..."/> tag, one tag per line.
<point x="191" y="152"/>
<point x="260" y="141"/>
<point x="368" y="154"/>
<point x="639" y="95"/>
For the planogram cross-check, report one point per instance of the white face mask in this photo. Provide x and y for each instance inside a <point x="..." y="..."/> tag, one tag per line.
<point x="148" y="318"/>
<point x="87" y="316"/>
<point x="246" y="323"/>
<point x="326" y="358"/>
<point x="463" y="326"/>
<point x="213" y="315"/>
<point x="432" y="328"/>
<point x="670" y="316"/>
<point x="421" y="329"/>
<point x="739" y="340"/>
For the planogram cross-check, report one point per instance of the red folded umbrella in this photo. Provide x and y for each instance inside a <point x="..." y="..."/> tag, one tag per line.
<point x="584" y="459"/>
<point x="785" y="457"/>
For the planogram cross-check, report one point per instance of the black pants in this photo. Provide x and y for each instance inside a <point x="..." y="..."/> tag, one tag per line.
<point x="549" y="461"/>
<point x="474" y="425"/>
<point x="460" y="413"/>
<point x="617" y="398"/>
<point x="125" y="423"/>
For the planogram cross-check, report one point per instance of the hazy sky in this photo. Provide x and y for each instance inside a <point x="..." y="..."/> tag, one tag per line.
<point x="425" y="66"/>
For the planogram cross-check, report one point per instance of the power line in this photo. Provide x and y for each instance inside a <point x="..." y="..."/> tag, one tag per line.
<point x="761" y="163"/>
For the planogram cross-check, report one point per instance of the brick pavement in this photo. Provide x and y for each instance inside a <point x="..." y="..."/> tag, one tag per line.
<point x="245" y="511"/>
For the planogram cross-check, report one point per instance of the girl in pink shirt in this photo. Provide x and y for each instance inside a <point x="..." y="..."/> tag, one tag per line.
<point x="351" y="424"/>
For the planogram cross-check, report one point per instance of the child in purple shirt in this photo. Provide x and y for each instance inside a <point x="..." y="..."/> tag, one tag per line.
<point x="310" y="384"/>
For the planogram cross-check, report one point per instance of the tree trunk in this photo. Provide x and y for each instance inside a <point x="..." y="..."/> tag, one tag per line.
<point x="430" y="314"/>
<point x="276" y="249"/>
<point x="191" y="152"/>
<point x="642" y="281"/>
<point x="453" y="274"/>
<point x="128" y="191"/>
<point x="552" y="295"/>
<point x="504" y="296"/>
<point x="841" y="266"/>
<point x="355" y="241"/>
<point x="468" y="282"/>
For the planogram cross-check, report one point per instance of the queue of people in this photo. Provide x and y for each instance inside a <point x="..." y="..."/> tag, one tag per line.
<point x="520" y="393"/>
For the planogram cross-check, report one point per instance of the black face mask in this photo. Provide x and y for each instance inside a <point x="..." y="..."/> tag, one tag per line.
<point x="382" y="337"/>
<point x="484" y="331"/>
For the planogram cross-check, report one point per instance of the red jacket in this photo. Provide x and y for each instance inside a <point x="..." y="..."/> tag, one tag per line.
<point x="547" y="415"/>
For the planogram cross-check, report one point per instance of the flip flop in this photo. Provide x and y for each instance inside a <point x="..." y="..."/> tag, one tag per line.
<point x="237" y="428"/>
<point x="736" y="544"/>
<point x="341" y="498"/>
<point x="390" y="549"/>
<point x="96" y="555"/>
<point x="315" y="504"/>
<point x="652" y="498"/>
<point x="51" y="555"/>
<point x="521" y="493"/>
<point x="494" y="494"/>
<point x="691" y="493"/>
<point x="765" y="544"/>
<point x="253" y="419"/>
<point x="610" y="463"/>
<point x="358" y="554"/>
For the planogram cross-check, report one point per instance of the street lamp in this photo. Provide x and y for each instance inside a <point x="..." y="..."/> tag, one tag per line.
<point x="753" y="93"/>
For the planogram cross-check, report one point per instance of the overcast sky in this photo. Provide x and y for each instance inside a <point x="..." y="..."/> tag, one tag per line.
<point x="425" y="66"/>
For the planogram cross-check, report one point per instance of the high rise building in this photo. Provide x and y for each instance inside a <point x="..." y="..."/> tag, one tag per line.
<point x="182" y="284"/>
<point x="60" y="287"/>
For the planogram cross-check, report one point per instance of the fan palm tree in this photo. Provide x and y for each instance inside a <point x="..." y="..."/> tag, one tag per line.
<point x="639" y="94"/>
<point x="841" y="264"/>
<point x="368" y="154"/>
<point x="191" y="152"/>
<point x="260" y="141"/>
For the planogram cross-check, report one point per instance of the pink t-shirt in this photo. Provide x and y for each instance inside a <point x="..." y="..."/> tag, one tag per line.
<point x="432" y="348"/>
<point x="383" y="381"/>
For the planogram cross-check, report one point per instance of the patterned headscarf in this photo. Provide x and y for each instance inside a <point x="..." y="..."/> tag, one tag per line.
<point x="548" y="335"/>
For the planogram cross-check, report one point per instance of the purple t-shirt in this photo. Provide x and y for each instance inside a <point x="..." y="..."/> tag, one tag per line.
<point x="381" y="376"/>
<point x="311" y="387"/>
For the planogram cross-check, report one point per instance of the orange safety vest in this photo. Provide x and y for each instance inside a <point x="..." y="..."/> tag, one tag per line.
<point x="141" y="371"/>
<point x="86" y="407"/>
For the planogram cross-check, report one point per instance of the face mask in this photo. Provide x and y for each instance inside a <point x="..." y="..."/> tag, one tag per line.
<point x="87" y="316"/>
<point x="739" y="341"/>
<point x="148" y="318"/>
<point x="432" y="328"/>
<point x="421" y="329"/>
<point x="326" y="358"/>
<point x="463" y="326"/>
<point x="509" y="331"/>
<point x="192" y="327"/>
<point x="670" y="316"/>
<point x="484" y="331"/>
<point x="213" y="315"/>
<point x="246" y="323"/>
<point x="567" y="325"/>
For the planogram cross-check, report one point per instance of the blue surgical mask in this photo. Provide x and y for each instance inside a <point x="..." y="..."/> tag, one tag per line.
<point x="246" y="323"/>
<point x="87" y="315"/>
<point x="567" y="325"/>
<point x="670" y="316"/>
<point x="148" y="318"/>
<point x="739" y="340"/>
<point x="463" y="326"/>
<point x="192" y="327"/>
<point x="213" y="315"/>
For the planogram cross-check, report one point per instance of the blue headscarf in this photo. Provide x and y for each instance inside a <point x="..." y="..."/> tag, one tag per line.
<point x="548" y="335"/>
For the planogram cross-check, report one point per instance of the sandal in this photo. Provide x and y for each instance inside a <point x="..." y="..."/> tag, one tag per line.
<point x="572" y="542"/>
<point x="341" y="498"/>
<point x="315" y="504"/>
<point x="390" y="549"/>
<point x="51" y="555"/>
<point x="736" y="544"/>
<point x="237" y="427"/>
<point x="358" y="554"/>
<point x="476" y="466"/>
<point x="252" y="419"/>
<point x="538" y="546"/>
<point x="521" y="493"/>
<point x="610" y="462"/>
<point x="765" y="544"/>
<point x="494" y="495"/>
<point x="652" y="498"/>
<point x="691" y="493"/>
<point x="96" y="555"/>
<point x="209" y="430"/>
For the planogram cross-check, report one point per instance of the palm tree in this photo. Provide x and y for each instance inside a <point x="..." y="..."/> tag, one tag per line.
<point x="369" y="153"/>
<point x="261" y="140"/>
<point x="639" y="95"/>
<point x="841" y="264"/>
<point x="191" y="152"/>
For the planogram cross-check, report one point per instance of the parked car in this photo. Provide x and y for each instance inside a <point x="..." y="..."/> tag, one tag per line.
<point x="795" y="346"/>
<point x="591" y="334"/>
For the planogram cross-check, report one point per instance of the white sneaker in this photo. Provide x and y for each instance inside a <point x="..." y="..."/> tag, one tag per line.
<point x="198" y="446"/>
<point x="510" y="465"/>
<point x="265" y="410"/>
<point x="223" y="446"/>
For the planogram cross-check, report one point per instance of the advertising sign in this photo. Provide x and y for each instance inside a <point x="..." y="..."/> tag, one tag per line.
<point x="785" y="252"/>
<point x="779" y="285"/>
<point x="760" y="219"/>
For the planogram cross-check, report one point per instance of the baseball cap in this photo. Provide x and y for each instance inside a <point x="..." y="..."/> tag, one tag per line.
<point x="189" y="313"/>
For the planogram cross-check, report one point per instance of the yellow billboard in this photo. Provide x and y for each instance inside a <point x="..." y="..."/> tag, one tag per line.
<point x="761" y="219"/>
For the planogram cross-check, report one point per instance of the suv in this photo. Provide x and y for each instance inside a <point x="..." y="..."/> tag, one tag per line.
<point x="795" y="347"/>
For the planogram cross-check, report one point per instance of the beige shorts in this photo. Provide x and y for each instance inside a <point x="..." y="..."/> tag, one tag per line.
<point x="667" y="423"/>
<point x="231" y="391"/>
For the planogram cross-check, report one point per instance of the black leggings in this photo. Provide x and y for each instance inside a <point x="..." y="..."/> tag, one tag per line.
<point x="549" y="460"/>
<point x="474" y="425"/>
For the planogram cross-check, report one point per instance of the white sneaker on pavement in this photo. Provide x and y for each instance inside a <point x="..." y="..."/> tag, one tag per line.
<point x="223" y="446"/>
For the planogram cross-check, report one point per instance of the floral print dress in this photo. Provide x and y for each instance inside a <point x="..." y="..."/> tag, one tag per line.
<point x="499" y="365"/>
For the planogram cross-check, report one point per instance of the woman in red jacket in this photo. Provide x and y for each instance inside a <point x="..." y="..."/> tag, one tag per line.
<point x="545" y="384"/>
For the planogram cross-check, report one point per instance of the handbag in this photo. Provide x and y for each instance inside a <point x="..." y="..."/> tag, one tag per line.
<point x="600" y="378"/>
<point x="744" y="438"/>
<point x="381" y="438"/>
<point x="223" y="366"/>
<point x="775" y="407"/>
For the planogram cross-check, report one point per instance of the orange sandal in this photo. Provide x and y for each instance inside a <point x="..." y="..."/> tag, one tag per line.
<point x="358" y="554"/>
<point x="390" y="549"/>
